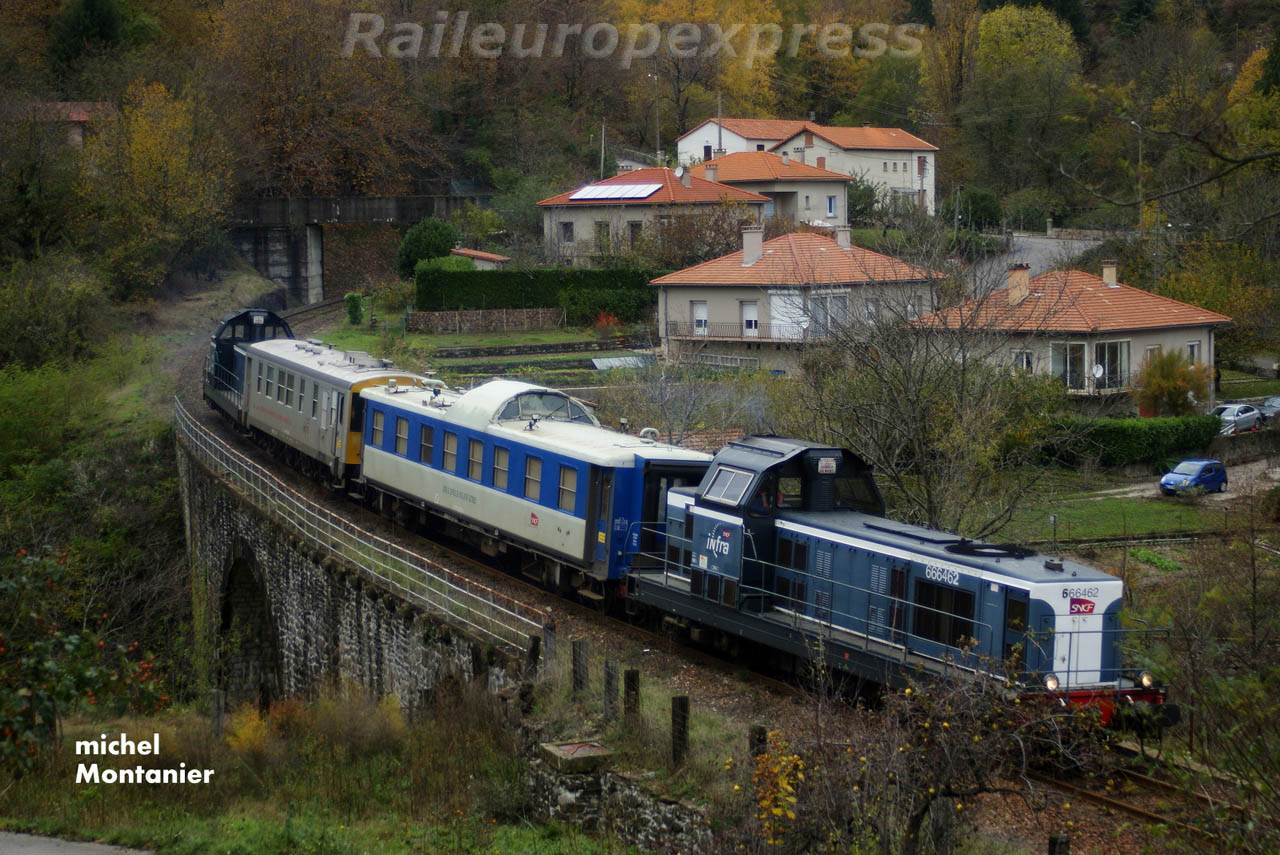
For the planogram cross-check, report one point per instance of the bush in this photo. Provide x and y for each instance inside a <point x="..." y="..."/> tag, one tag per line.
<point x="355" y="307"/>
<point x="429" y="238"/>
<point x="1119" y="442"/>
<point x="583" y="294"/>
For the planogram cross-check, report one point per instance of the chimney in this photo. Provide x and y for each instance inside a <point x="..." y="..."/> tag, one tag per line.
<point x="686" y="176"/>
<point x="752" y="243"/>
<point x="842" y="237"/>
<point x="709" y="172"/>
<point x="1109" y="273"/>
<point x="1019" y="282"/>
<point x="719" y="152"/>
<point x="786" y="159"/>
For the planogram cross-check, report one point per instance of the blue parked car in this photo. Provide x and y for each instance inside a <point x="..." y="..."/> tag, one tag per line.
<point x="1207" y="475"/>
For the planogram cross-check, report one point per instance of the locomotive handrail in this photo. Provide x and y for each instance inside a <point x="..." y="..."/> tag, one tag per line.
<point x="418" y="579"/>
<point x="862" y="629"/>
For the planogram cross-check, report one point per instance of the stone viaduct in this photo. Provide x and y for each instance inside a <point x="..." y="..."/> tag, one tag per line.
<point x="289" y="596"/>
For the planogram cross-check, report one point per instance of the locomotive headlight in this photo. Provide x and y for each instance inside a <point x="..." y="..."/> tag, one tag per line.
<point x="1051" y="682"/>
<point x="1147" y="679"/>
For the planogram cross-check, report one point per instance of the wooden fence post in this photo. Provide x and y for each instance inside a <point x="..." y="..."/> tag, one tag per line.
<point x="679" y="729"/>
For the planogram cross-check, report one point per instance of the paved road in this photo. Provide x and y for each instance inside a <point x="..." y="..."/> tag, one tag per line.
<point x="26" y="844"/>
<point x="1042" y="253"/>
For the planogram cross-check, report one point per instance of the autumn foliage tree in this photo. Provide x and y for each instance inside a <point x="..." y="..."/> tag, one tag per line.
<point x="1169" y="385"/>
<point x="302" y="119"/>
<point x="155" y="185"/>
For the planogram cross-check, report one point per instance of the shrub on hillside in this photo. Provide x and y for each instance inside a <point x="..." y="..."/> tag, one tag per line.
<point x="429" y="238"/>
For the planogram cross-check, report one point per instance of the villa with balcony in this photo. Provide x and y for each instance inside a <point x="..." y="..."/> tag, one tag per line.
<point x="1091" y="332"/>
<point x="762" y="306"/>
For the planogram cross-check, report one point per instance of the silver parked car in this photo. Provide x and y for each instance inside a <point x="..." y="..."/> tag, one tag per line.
<point x="1237" y="418"/>
<point x="1270" y="407"/>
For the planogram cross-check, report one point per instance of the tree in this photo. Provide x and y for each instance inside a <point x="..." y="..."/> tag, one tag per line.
<point x="1235" y="281"/>
<point x="37" y="180"/>
<point x="430" y="237"/>
<point x="1169" y="385"/>
<point x="475" y="224"/>
<point x="48" y="670"/>
<point x="1025" y="90"/>
<point x="902" y="778"/>
<point x="931" y="402"/>
<point x="302" y="119"/>
<point x="155" y="186"/>
<point x="693" y="236"/>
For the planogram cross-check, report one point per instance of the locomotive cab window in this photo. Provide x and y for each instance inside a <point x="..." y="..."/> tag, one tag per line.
<point x="729" y="485"/>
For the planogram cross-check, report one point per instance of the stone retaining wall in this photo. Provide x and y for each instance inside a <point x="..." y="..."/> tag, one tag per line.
<point x="485" y="320"/>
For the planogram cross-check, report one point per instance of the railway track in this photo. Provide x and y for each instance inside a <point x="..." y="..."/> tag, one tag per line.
<point x="1194" y="814"/>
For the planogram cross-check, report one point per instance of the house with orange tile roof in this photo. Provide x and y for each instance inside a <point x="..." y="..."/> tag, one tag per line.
<point x="75" y="117"/>
<point x="609" y="216"/>
<point x="716" y="137"/>
<point x="1092" y="332"/>
<point x="797" y="192"/>
<point x="761" y="306"/>
<point x="899" y="165"/>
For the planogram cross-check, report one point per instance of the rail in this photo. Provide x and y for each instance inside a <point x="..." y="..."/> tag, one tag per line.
<point x="484" y="612"/>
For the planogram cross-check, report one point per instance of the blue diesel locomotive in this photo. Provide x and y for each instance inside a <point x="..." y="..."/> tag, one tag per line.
<point x="784" y="543"/>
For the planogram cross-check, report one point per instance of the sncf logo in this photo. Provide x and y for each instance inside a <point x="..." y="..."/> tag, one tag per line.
<point x="1081" y="606"/>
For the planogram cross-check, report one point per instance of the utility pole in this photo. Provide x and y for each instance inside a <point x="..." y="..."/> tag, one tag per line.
<point x="1141" y="198"/>
<point x="601" y="148"/>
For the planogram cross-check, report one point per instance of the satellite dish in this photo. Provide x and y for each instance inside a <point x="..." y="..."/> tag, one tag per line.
<point x="679" y="172"/>
<point x="1098" y="371"/>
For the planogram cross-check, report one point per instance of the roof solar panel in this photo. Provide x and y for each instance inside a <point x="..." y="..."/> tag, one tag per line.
<point x="614" y="191"/>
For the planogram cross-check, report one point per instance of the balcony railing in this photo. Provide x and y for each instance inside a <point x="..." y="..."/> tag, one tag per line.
<point x="750" y="331"/>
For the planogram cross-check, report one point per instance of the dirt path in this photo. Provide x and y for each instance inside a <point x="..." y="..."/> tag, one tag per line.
<point x="1242" y="479"/>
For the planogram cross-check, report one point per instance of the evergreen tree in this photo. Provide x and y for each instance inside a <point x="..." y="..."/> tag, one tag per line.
<point x="1270" y="80"/>
<point x="85" y="26"/>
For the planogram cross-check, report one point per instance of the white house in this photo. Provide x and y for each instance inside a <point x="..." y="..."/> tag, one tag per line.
<point x="715" y="137"/>
<point x="796" y="191"/>
<point x="482" y="260"/>
<point x="762" y="306"/>
<point x="901" y="166"/>
<point x="610" y="215"/>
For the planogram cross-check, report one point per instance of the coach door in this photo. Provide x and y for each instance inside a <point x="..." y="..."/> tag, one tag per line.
<point x="599" y="517"/>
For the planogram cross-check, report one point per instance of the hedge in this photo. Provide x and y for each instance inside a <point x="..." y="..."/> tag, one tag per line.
<point x="1117" y="442"/>
<point x="582" y="294"/>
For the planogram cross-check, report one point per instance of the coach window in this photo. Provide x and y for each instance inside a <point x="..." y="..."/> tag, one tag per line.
<point x="944" y="615"/>
<point x="315" y="398"/>
<point x="450" y="451"/>
<point x="402" y="436"/>
<point x="271" y="379"/>
<point x="288" y="390"/>
<point x="475" y="460"/>
<point x="426" y="444"/>
<point x="568" y="488"/>
<point x="280" y="378"/>
<point x="259" y="378"/>
<point x="533" y="478"/>
<point x="501" y="461"/>
<point x="302" y="392"/>
<point x="378" y="417"/>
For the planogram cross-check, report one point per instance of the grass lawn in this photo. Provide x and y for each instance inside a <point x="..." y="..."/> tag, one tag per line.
<point x="1111" y="517"/>
<point x="1238" y="384"/>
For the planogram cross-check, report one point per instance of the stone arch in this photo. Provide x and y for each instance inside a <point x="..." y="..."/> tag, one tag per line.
<point x="247" y="642"/>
